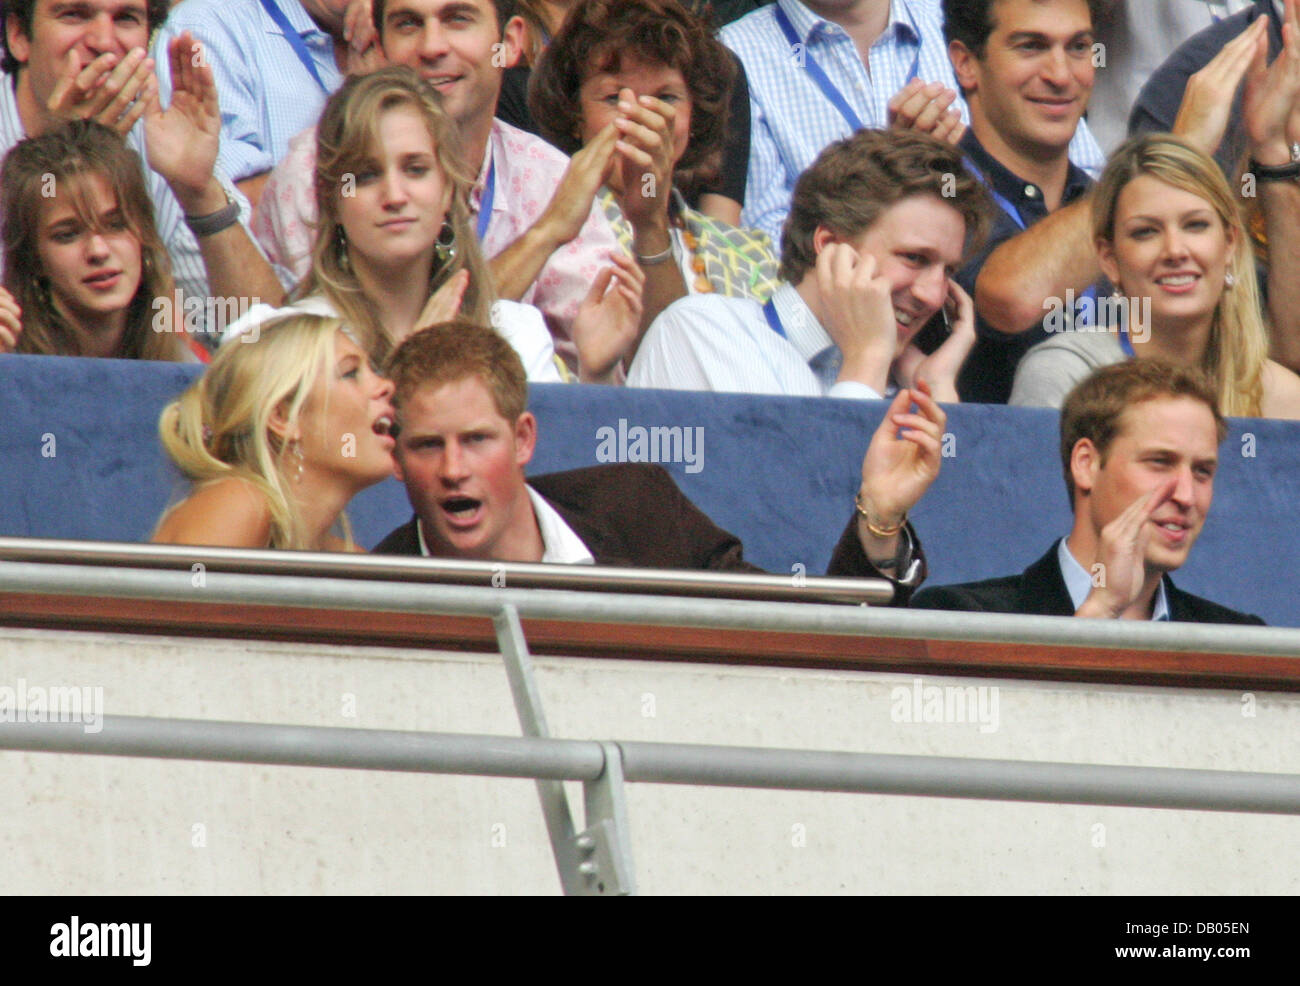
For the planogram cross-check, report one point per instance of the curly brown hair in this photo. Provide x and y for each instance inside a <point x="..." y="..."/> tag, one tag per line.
<point x="597" y="34"/>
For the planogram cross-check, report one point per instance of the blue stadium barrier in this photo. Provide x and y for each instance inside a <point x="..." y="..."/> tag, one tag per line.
<point x="80" y="458"/>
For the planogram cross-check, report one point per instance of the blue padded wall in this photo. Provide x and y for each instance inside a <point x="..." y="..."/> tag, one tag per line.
<point x="80" y="458"/>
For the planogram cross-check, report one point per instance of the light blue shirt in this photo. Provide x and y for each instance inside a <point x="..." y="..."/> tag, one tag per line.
<point x="1079" y="583"/>
<point x="267" y="95"/>
<point x="188" y="269"/>
<point x="792" y="120"/>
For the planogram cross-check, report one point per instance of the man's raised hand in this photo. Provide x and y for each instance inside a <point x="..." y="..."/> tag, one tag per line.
<point x="112" y="92"/>
<point x="1121" y="553"/>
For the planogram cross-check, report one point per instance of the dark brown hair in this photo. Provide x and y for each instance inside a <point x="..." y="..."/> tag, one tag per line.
<point x="24" y="11"/>
<point x="597" y="34"/>
<point x="972" y="21"/>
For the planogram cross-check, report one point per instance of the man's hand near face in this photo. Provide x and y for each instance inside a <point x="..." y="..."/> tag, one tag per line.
<point x="1121" y="553"/>
<point x="858" y="311"/>
<point x="112" y="92"/>
<point x="364" y="54"/>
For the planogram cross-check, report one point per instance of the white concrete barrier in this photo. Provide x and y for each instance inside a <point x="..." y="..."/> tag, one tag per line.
<point x="93" y="824"/>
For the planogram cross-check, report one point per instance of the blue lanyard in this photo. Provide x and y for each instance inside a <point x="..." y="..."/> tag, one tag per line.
<point x="1012" y="212"/>
<point x="773" y="319"/>
<point x="1014" y="215"/>
<point x="821" y="78"/>
<point x="485" y="201"/>
<point x="1125" y="343"/>
<point x="295" y="42"/>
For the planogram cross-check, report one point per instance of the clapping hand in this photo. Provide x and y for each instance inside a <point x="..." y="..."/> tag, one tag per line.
<point x="605" y="327"/>
<point x="927" y="107"/>
<point x="112" y="92"/>
<point x="182" y="141"/>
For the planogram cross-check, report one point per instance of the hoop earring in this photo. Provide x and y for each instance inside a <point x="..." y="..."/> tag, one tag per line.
<point x="444" y="248"/>
<point x="341" y="249"/>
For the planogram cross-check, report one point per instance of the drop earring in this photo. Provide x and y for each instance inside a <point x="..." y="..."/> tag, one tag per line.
<point x="444" y="248"/>
<point x="298" y="460"/>
<point x="341" y="250"/>
<point x="1229" y="279"/>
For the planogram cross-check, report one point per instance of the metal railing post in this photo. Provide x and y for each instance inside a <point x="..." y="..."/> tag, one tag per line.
<point x="598" y="860"/>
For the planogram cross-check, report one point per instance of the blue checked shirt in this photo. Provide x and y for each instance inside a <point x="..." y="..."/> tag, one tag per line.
<point x="188" y="269"/>
<point x="267" y="95"/>
<point x="792" y="120"/>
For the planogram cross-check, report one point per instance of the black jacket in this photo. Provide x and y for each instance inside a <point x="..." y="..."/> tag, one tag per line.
<point x="1040" y="591"/>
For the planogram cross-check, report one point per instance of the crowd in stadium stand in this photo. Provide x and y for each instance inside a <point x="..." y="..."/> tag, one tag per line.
<point x="919" y="201"/>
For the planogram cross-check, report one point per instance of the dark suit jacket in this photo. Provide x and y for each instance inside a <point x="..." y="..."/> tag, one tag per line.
<point x="1040" y="591"/>
<point x="632" y="515"/>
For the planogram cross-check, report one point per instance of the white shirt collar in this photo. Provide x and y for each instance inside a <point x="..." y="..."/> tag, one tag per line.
<point x="560" y="546"/>
<point x="1079" y="583"/>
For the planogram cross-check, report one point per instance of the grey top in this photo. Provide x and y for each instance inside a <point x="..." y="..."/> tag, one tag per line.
<point x="1051" y="369"/>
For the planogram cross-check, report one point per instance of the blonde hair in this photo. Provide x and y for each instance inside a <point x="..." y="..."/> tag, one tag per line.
<point x="220" y="427"/>
<point x="1238" y="345"/>
<point x="345" y="141"/>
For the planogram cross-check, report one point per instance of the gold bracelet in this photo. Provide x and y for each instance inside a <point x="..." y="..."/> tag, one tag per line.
<point x="880" y="532"/>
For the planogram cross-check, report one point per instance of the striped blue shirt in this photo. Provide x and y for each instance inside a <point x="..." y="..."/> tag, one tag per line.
<point x="792" y="120"/>
<point x="267" y="95"/>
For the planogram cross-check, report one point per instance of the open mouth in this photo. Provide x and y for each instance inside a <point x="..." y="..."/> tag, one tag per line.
<point x="461" y="511"/>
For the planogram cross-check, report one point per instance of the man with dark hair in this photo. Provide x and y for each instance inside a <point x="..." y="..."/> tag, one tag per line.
<point x="464" y="438"/>
<point x="819" y="70"/>
<point x="87" y="60"/>
<point x="1139" y="449"/>
<point x="545" y="247"/>
<point x="1026" y="68"/>
<point x="877" y="227"/>
<point x="275" y="62"/>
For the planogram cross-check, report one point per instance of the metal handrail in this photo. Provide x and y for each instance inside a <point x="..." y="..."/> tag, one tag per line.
<point x="394" y="568"/>
<point x="665" y="763"/>
<point x="568" y="606"/>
